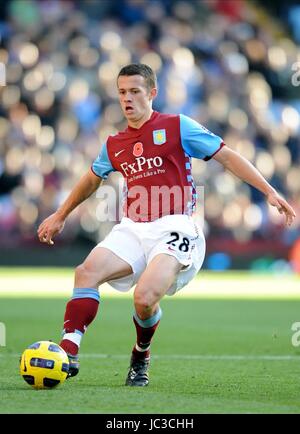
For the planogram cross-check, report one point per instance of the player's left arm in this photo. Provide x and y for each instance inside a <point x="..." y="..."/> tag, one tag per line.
<point x="244" y="170"/>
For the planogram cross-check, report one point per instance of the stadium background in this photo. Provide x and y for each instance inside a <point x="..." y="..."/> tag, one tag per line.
<point x="227" y="64"/>
<point x="231" y="339"/>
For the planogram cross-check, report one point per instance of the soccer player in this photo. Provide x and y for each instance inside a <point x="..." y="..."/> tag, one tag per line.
<point x="157" y="245"/>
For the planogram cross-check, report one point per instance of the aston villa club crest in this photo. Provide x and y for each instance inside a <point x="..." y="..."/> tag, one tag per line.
<point x="159" y="137"/>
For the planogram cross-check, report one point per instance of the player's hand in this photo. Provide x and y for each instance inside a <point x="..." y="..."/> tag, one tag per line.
<point x="283" y="207"/>
<point x="51" y="226"/>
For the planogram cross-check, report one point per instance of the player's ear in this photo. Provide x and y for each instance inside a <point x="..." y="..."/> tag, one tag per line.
<point x="153" y="93"/>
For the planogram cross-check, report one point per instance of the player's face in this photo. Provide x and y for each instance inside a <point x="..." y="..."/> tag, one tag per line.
<point x="135" y="98"/>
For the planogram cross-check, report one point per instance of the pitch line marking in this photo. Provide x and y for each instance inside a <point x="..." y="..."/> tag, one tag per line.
<point x="196" y="356"/>
<point x="186" y="356"/>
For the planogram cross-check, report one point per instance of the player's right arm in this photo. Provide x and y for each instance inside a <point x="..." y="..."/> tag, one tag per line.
<point x="54" y="224"/>
<point x="86" y="186"/>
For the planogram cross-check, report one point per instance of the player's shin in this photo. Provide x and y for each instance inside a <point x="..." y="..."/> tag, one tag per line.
<point x="145" y="330"/>
<point x="80" y="312"/>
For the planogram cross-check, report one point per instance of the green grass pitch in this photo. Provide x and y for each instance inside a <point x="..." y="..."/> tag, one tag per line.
<point x="210" y="355"/>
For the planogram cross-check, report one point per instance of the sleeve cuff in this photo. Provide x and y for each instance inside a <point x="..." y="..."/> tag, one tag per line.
<point x="209" y="157"/>
<point x="102" y="177"/>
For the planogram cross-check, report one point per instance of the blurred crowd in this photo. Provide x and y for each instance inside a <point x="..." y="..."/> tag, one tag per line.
<point x="231" y="65"/>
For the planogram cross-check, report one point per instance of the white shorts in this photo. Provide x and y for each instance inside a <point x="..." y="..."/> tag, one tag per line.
<point x="138" y="243"/>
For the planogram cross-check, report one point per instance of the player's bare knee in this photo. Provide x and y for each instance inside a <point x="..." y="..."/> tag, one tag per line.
<point x="142" y="305"/>
<point x="79" y="274"/>
<point x="84" y="276"/>
<point x="144" y="302"/>
<point x="79" y="271"/>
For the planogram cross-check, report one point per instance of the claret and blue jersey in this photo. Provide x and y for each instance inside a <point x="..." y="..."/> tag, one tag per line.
<point x="157" y="159"/>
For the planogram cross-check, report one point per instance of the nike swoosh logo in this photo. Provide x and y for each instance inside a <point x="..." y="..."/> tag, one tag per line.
<point x="118" y="153"/>
<point x="172" y="250"/>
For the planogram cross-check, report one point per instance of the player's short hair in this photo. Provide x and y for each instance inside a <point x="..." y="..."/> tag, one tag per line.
<point x="143" y="70"/>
